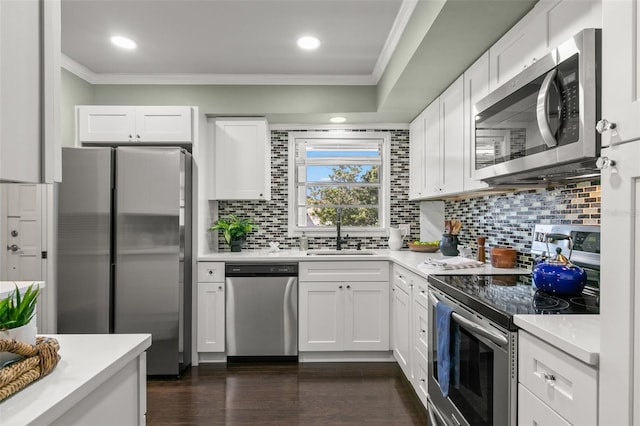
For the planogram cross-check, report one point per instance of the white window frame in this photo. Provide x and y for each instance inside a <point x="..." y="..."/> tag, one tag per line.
<point x="385" y="184"/>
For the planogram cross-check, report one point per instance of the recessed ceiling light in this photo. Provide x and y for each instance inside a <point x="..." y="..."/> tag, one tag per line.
<point x="308" y="43"/>
<point x="337" y="119"/>
<point x="123" y="42"/>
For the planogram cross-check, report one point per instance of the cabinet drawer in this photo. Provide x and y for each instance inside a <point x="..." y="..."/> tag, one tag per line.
<point x="211" y="272"/>
<point x="420" y="328"/>
<point x="533" y="412"/>
<point x="420" y="377"/>
<point x="565" y="384"/>
<point x="344" y="271"/>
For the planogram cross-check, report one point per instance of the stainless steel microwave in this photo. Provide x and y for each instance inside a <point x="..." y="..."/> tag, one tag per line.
<point x="540" y="126"/>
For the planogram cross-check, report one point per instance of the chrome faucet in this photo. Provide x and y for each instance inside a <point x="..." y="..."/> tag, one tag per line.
<point x="339" y="240"/>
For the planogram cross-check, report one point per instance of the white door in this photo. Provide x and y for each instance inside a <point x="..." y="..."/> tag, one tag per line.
<point x="620" y="298"/>
<point x="366" y="316"/>
<point x="321" y="322"/>
<point x="211" y="315"/>
<point x="402" y="330"/>
<point x="21" y="232"/>
<point x="109" y="123"/>
<point x="620" y="76"/>
<point x="163" y="124"/>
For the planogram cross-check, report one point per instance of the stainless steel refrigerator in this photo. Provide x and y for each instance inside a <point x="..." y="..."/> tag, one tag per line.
<point x="124" y="248"/>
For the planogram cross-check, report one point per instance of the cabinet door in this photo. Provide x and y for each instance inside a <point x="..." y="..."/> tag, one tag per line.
<point x="20" y="86"/>
<point x="432" y="147"/>
<point x="106" y="123"/>
<point x="321" y="316"/>
<point x="451" y="138"/>
<point x="620" y="303"/>
<point x="402" y="331"/>
<point x="518" y="48"/>
<point x="242" y="168"/>
<point x="211" y="337"/>
<point x="620" y="77"/>
<point x="163" y="124"/>
<point x="476" y="87"/>
<point x="417" y="157"/>
<point x="366" y="316"/>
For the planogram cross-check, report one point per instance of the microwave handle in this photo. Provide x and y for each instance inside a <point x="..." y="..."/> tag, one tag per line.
<point x="542" y="108"/>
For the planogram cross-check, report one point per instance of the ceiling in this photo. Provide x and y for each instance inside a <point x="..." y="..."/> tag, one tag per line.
<point x="405" y="51"/>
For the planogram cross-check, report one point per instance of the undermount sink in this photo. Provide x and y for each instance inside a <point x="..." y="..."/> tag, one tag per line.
<point x="333" y="252"/>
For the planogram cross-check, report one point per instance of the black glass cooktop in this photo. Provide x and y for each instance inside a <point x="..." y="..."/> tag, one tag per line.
<point x="500" y="297"/>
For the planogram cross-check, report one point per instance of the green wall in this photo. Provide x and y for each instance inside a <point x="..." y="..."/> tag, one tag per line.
<point x="75" y="91"/>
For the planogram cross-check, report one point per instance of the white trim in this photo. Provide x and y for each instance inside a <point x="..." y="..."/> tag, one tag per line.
<point x="215" y="79"/>
<point x="310" y="126"/>
<point x="402" y="19"/>
<point x="78" y="69"/>
<point x="385" y="202"/>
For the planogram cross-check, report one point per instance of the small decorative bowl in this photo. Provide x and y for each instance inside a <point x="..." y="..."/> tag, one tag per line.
<point x="422" y="248"/>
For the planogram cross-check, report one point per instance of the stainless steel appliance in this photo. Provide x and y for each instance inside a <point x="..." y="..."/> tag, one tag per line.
<point x="124" y="241"/>
<point x="540" y="126"/>
<point x="485" y="341"/>
<point x="262" y="311"/>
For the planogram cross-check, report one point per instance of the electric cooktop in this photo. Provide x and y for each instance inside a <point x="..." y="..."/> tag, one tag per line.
<point x="500" y="297"/>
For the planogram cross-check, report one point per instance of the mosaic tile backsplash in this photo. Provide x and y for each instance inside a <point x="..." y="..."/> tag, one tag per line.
<point x="508" y="219"/>
<point x="271" y="216"/>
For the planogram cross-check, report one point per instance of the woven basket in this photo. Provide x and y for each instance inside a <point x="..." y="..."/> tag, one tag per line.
<point x="39" y="360"/>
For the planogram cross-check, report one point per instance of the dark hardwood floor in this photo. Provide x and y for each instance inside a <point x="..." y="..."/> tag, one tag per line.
<point x="285" y="394"/>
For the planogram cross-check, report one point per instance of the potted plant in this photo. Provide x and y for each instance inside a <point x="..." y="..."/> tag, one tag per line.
<point x="234" y="229"/>
<point x="17" y="322"/>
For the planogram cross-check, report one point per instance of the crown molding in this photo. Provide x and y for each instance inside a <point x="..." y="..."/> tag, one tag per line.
<point x="353" y="126"/>
<point x="215" y="79"/>
<point x="397" y="29"/>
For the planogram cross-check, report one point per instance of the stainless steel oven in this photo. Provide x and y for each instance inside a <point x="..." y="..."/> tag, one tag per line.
<point x="541" y="125"/>
<point x="483" y="384"/>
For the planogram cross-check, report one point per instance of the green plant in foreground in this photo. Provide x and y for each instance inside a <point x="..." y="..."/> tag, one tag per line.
<point x="233" y="227"/>
<point x="18" y="309"/>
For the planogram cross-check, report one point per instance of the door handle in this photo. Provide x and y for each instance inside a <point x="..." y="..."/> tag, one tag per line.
<point x="13" y="247"/>
<point x="542" y="108"/>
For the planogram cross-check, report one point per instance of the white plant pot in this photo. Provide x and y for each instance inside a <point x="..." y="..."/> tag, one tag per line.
<point x="26" y="334"/>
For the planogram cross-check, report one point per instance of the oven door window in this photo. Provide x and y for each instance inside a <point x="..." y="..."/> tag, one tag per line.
<point x="509" y="129"/>
<point x="472" y="374"/>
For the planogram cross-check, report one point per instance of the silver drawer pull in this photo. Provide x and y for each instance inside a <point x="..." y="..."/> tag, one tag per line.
<point x="550" y="379"/>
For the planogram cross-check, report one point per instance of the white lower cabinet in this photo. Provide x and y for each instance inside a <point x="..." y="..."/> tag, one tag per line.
<point x="410" y="327"/>
<point x="211" y="307"/>
<point x="567" y="387"/>
<point x="341" y="313"/>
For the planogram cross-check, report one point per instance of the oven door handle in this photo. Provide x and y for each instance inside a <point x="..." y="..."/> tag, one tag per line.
<point x="473" y="327"/>
<point x="431" y="408"/>
<point x="542" y="110"/>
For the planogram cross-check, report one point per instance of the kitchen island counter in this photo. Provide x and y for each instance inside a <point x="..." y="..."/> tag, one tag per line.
<point x="100" y="379"/>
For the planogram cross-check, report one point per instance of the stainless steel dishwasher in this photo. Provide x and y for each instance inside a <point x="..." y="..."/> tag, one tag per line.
<point x="262" y="311"/>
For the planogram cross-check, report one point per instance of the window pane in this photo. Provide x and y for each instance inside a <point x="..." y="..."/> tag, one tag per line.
<point x="342" y="195"/>
<point x="326" y="217"/>
<point x="343" y="173"/>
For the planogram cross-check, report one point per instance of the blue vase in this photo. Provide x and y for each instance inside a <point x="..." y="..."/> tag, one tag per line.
<point x="449" y="245"/>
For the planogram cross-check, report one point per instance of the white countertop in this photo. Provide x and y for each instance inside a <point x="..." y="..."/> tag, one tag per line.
<point x="406" y="258"/>
<point x="577" y="335"/>
<point x="6" y="287"/>
<point x="87" y="360"/>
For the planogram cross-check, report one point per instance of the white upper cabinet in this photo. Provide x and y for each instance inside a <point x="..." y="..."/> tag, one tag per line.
<point x="548" y="24"/>
<point x="417" y="157"/>
<point x="436" y="145"/>
<point x="451" y="138"/>
<point x="241" y="160"/>
<point x="476" y="87"/>
<point x="29" y="91"/>
<point x="149" y="124"/>
<point x="620" y="77"/>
